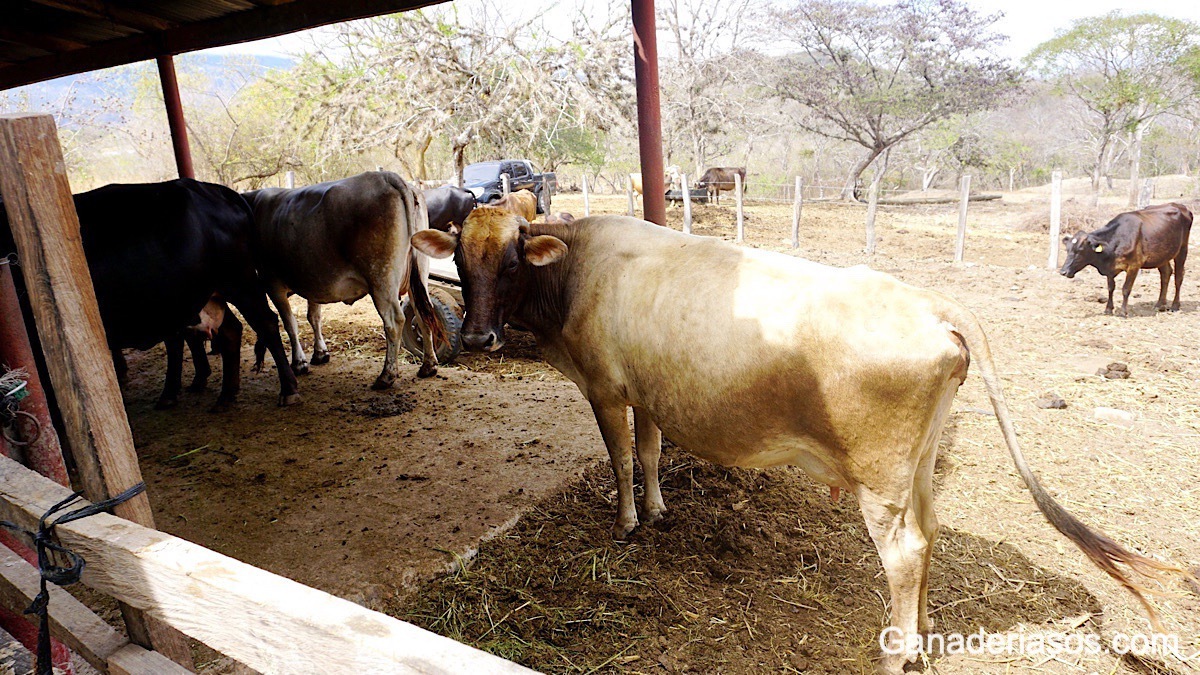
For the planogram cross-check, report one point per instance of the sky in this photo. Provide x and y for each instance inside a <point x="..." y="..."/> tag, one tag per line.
<point x="1028" y="23"/>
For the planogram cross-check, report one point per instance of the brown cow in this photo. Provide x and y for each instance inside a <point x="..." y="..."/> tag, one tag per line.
<point x="754" y="359"/>
<point x="1137" y="240"/>
<point x="522" y="202"/>
<point x="721" y="179"/>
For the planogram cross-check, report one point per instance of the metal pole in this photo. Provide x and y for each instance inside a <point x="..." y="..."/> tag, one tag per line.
<point x="687" y="203"/>
<point x="179" y="137"/>
<point x="796" y="212"/>
<point x="1055" y="217"/>
<point x="645" y="68"/>
<point x="960" y="242"/>
<point x="44" y="455"/>
<point x="587" y="204"/>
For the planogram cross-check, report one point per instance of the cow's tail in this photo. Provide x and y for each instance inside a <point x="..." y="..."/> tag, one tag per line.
<point x="417" y="219"/>
<point x="1104" y="552"/>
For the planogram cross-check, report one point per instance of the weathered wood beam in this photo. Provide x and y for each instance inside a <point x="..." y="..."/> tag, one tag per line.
<point x="41" y="214"/>
<point x="267" y="622"/>
<point x="108" y="11"/>
<point x="252" y="24"/>
<point x="42" y="41"/>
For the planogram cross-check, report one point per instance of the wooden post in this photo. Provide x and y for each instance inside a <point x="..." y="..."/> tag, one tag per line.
<point x="289" y="180"/>
<point x="797" y="208"/>
<point x="872" y="205"/>
<point x="41" y="211"/>
<point x="687" y="203"/>
<point x="505" y="186"/>
<point x="741" y="218"/>
<point x="587" y="202"/>
<point x="1055" y="217"/>
<point x="960" y="242"/>
<point x="1147" y="193"/>
<point x="629" y="194"/>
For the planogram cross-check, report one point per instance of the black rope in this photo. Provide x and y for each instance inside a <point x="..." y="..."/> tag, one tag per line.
<point x="47" y="548"/>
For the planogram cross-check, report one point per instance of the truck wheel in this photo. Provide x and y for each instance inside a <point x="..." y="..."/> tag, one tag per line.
<point x="451" y="316"/>
<point x="543" y="202"/>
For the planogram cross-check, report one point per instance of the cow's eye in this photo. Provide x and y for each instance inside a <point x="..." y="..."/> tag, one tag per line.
<point x="512" y="265"/>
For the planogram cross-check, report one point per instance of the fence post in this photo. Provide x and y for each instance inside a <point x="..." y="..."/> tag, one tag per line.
<point x="961" y="242"/>
<point x="1146" y="194"/>
<point x="872" y="205"/>
<point x="629" y="194"/>
<point x="741" y="218"/>
<point x="289" y="180"/>
<point x="587" y="205"/>
<point x="504" y="186"/>
<point x="687" y="203"/>
<point x="1055" y="217"/>
<point x="378" y="168"/>
<point x="799" y="205"/>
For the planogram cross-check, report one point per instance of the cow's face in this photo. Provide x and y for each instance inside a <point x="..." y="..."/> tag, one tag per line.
<point x="494" y="254"/>
<point x="1082" y="251"/>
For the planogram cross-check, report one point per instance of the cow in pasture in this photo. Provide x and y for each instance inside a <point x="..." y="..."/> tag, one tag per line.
<point x="338" y="242"/>
<point x="721" y="179"/>
<point x="448" y="206"/>
<point x="1138" y="240"/>
<point x="754" y="359"/>
<point x="522" y="203"/>
<point x="157" y="254"/>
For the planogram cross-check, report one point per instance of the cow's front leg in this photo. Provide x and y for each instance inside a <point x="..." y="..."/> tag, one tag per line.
<point x="614" y="427"/>
<point x="279" y="298"/>
<point x="392" y="312"/>
<point x="649" y="447"/>
<point x="1164" y="282"/>
<point x="195" y="343"/>
<point x="320" y="355"/>
<point x="1112" y="286"/>
<point x="170" y="392"/>
<point x="1130" y="277"/>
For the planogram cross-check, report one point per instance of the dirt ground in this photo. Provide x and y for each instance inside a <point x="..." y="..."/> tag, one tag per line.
<point x="376" y="496"/>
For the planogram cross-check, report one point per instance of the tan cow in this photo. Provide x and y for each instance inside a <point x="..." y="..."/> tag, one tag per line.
<point x="753" y="359"/>
<point x="635" y="181"/>
<point x="522" y="202"/>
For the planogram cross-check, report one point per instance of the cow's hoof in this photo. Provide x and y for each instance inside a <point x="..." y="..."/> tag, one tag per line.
<point x="319" y="358"/>
<point x="890" y="665"/>
<point x="427" y="371"/>
<point x="384" y="381"/>
<point x="300" y="368"/>
<point x="1108" y="312"/>
<point x="1174" y="308"/>
<point x="258" y="367"/>
<point x="620" y="531"/>
<point x="653" y="515"/>
<point x="288" y="399"/>
<point x="197" y="386"/>
<point x="165" y="403"/>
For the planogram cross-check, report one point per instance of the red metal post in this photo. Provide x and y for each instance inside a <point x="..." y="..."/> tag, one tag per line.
<point x="179" y="139"/>
<point x="44" y="455"/>
<point x="645" y="70"/>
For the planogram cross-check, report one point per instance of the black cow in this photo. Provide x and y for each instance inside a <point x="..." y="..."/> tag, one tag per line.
<point x="1137" y="240"/>
<point x="157" y="254"/>
<point x="448" y="205"/>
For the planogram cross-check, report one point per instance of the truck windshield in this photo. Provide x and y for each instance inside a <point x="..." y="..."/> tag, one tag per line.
<point x="481" y="172"/>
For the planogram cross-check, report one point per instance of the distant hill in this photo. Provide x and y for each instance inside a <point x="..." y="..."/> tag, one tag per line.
<point x="217" y="73"/>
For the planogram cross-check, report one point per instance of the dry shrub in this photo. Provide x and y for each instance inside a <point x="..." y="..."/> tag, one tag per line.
<point x="1076" y="216"/>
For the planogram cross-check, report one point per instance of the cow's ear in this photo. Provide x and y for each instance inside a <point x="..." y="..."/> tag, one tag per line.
<point x="1099" y="248"/>
<point x="435" y="243"/>
<point x="544" y="249"/>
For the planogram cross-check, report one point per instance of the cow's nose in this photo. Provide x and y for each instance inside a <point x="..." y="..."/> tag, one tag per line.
<point x="1066" y="272"/>
<point x="484" y="341"/>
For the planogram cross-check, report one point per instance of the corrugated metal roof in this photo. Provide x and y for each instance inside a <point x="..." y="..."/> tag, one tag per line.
<point x="43" y="39"/>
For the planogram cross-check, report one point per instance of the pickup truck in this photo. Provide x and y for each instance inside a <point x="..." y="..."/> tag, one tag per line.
<point x="483" y="180"/>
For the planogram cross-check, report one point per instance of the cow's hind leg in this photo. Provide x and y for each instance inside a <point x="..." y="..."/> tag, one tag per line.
<point x="170" y="393"/>
<point x="195" y="343"/>
<point x="614" y="427"/>
<point x="320" y="355"/>
<point x="1179" y="265"/>
<point x="228" y="342"/>
<point x="895" y="525"/>
<point x="253" y="307"/>
<point x="280" y="299"/>
<point x="1130" y="277"/>
<point x="649" y="446"/>
<point x="387" y="303"/>
<point x="1164" y="277"/>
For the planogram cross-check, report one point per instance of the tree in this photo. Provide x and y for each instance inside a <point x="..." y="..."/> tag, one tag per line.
<point x="1127" y="71"/>
<point x="876" y="74"/>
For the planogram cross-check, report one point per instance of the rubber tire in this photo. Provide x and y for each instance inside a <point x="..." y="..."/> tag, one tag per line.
<point x="543" y="201"/>
<point x="451" y="316"/>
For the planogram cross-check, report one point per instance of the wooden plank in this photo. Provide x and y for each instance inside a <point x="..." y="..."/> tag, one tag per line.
<point x="109" y="11"/>
<point x="243" y="26"/>
<point x="41" y="214"/>
<point x="134" y="660"/>
<point x="71" y="622"/>
<point x="42" y="41"/>
<point x="267" y="622"/>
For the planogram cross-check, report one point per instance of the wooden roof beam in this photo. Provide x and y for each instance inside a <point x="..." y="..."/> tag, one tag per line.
<point x="107" y="11"/>
<point x="42" y="41"/>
